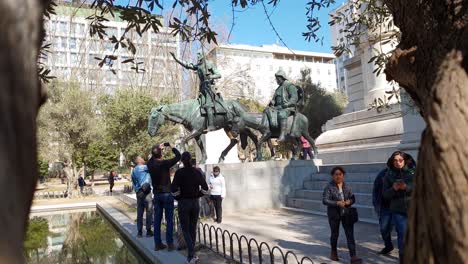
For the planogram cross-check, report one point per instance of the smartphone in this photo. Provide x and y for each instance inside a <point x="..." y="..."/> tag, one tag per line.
<point x="167" y="144"/>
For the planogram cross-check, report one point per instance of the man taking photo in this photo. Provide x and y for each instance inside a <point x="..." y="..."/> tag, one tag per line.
<point x="159" y="170"/>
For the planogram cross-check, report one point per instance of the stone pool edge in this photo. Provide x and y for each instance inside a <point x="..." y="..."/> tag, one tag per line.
<point x="118" y="220"/>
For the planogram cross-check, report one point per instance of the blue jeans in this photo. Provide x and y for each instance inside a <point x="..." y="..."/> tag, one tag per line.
<point x="189" y="209"/>
<point x="386" y="226"/>
<point x="144" y="203"/>
<point x="400" y="220"/>
<point x="163" y="201"/>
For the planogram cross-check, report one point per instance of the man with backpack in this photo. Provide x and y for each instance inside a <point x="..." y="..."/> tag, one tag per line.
<point x="142" y="185"/>
<point x="283" y="104"/>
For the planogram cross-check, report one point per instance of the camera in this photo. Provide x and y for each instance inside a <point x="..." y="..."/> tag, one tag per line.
<point x="167" y="144"/>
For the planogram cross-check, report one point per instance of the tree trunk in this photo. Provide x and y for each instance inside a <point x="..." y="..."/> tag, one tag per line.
<point x="431" y="63"/>
<point x="20" y="97"/>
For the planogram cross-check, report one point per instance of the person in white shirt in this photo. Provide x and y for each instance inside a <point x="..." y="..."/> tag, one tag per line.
<point x="218" y="192"/>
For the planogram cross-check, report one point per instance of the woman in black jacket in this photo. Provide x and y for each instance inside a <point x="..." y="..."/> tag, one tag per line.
<point x="189" y="185"/>
<point x="339" y="198"/>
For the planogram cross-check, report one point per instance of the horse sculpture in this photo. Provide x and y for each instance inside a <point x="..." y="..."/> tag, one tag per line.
<point x="189" y="115"/>
<point x="297" y="126"/>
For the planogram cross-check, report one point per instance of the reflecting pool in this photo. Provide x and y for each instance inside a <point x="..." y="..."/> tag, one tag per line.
<point x="76" y="237"/>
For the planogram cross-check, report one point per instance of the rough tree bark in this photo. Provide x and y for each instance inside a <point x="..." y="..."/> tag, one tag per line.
<point x="431" y="64"/>
<point x="20" y="97"/>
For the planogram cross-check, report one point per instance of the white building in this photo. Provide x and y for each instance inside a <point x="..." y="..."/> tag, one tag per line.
<point x="248" y="71"/>
<point x="338" y="37"/>
<point x="73" y="53"/>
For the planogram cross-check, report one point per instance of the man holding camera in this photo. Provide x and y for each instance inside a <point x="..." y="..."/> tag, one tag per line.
<point x="159" y="170"/>
<point x="142" y="185"/>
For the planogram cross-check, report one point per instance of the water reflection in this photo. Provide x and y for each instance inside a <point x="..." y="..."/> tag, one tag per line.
<point x="83" y="237"/>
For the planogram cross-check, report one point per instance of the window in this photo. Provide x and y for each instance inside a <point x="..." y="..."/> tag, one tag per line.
<point x="318" y="71"/>
<point x="109" y="46"/>
<point x="63" y="43"/>
<point x="73" y="58"/>
<point x="271" y="67"/>
<point x="72" y="43"/>
<point x="62" y="27"/>
<point x="112" y="31"/>
<point x="61" y="58"/>
<point x="258" y="67"/>
<point x="92" y="61"/>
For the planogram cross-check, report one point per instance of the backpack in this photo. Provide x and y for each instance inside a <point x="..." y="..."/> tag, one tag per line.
<point x="300" y="96"/>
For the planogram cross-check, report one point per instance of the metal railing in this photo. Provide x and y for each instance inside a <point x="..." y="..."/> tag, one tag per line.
<point x="224" y="242"/>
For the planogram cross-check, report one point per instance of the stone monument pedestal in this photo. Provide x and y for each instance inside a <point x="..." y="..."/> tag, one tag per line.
<point x="364" y="136"/>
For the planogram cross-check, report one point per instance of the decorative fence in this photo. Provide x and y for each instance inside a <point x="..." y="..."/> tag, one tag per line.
<point x="243" y="250"/>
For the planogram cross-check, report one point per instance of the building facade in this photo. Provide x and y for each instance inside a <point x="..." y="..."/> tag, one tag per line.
<point x="73" y="54"/>
<point x="249" y="71"/>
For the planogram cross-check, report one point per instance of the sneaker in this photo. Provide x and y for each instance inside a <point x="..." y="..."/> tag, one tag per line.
<point x="160" y="247"/>
<point x="386" y="250"/>
<point x="149" y="233"/>
<point x="139" y="234"/>
<point x="171" y="247"/>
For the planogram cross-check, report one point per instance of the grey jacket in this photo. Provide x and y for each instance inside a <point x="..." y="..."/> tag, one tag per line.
<point x="331" y="195"/>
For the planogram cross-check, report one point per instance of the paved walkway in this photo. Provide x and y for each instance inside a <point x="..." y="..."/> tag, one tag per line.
<point x="306" y="235"/>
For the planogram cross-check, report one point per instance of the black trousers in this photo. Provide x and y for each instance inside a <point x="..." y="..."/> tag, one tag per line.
<point x="335" y="232"/>
<point x="188" y="218"/>
<point x="217" y="203"/>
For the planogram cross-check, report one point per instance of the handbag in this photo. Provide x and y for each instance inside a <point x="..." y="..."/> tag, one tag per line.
<point x="145" y="189"/>
<point x="350" y="214"/>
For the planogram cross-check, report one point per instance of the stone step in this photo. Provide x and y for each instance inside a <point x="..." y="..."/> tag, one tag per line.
<point x="349" y="177"/>
<point x="355" y="168"/>
<point x="357" y="187"/>
<point x="312" y="212"/>
<point x="364" y="211"/>
<point x="361" y="198"/>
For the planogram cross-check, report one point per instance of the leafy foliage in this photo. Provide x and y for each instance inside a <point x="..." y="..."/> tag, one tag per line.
<point x="125" y="116"/>
<point x="99" y="240"/>
<point x="67" y="122"/>
<point x="319" y="106"/>
<point x="36" y="235"/>
<point x="251" y="105"/>
<point x="43" y="169"/>
<point x="102" y="155"/>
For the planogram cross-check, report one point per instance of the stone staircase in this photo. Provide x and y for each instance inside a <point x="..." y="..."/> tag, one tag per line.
<point x="359" y="176"/>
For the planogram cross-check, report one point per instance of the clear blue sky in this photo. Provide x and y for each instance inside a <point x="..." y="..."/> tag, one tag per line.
<point x="289" y="18"/>
<point x="252" y="26"/>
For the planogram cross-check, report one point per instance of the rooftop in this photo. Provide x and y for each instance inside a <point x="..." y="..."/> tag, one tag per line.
<point x="274" y="49"/>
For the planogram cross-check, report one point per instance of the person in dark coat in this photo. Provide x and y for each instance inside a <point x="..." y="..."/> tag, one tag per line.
<point x="338" y="197"/>
<point x="163" y="201"/>
<point x="81" y="183"/>
<point x="397" y="189"/>
<point x="111" y="179"/>
<point x="187" y="187"/>
<point x="382" y="206"/>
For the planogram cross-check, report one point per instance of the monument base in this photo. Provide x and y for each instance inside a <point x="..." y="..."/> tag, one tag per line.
<point x="262" y="185"/>
<point x="365" y="136"/>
